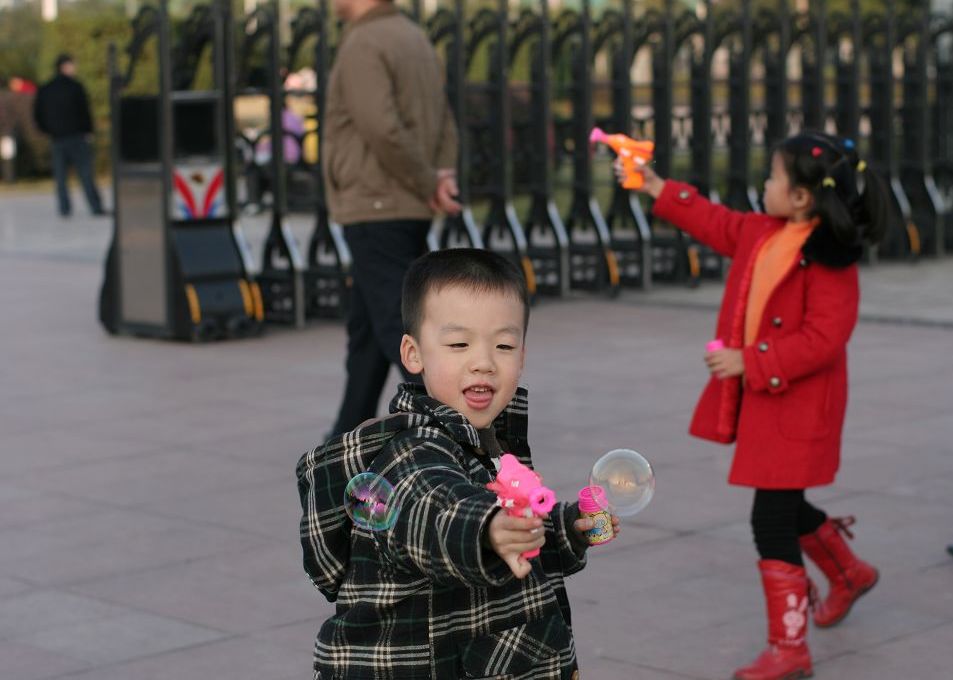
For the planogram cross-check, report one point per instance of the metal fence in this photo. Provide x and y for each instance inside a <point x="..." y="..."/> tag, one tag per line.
<point x="715" y="86"/>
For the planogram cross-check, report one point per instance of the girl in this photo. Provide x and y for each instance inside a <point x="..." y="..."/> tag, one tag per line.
<point x="779" y="386"/>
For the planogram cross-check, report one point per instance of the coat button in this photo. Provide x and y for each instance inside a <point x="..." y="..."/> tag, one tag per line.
<point x="684" y="194"/>
<point x="776" y="322"/>
<point x="803" y="262"/>
<point x="378" y="205"/>
<point x="763" y="347"/>
<point x="775" y="381"/>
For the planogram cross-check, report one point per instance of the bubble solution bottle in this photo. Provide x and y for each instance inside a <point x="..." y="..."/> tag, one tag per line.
<point x="592" y="503"/>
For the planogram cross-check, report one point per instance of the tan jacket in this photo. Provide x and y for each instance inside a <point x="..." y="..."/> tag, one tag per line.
<point x="388" y="126"/>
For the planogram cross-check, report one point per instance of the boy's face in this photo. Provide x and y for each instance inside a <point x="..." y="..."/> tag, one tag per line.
<point x="469" y="351"/>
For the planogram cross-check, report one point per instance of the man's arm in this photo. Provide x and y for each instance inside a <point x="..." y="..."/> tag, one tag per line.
<point x="85" y="117"/>
<point x="449" y="143"/>
<point x="39" y="105"/>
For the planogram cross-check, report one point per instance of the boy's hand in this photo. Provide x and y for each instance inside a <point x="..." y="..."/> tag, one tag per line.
<point x="653" y="184"/>
<point x="510" y="537"/>
<point x="584" y="524"/>
<point x="725" y="363"/>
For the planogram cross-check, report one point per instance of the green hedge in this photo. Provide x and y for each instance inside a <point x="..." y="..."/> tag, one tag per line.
<point x="28" y="48"/>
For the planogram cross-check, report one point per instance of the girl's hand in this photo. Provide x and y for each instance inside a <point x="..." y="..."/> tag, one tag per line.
<point x="725" y="363"/>
<point x="652" y="185"/>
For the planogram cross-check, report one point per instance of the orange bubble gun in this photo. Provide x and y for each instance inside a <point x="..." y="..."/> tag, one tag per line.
<point x="634" y="155"/>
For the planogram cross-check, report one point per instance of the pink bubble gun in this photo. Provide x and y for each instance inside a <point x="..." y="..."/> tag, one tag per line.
<point x="714" y="345"/>
<point x="520" y="492"/>
<point x="634" y="155"/>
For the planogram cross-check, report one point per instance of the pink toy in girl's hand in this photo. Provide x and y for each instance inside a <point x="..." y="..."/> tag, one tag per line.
<point x="715" y="345"/>
<point x="521" y="492"/>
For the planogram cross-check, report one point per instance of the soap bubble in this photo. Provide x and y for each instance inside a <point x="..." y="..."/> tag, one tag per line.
<point x="369" y="502"/>
<point x="626" y="481"/>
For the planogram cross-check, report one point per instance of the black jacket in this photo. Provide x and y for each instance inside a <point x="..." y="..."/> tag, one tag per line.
<point x="61" y="108"/>
<point x="423" y="598"/>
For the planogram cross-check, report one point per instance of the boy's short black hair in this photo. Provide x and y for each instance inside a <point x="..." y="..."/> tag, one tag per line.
<point x="63" y="58"/>
<point x="481" y="271"/>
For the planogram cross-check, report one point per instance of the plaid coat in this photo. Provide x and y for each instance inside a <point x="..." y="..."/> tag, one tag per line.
<point x="425" y="598"/>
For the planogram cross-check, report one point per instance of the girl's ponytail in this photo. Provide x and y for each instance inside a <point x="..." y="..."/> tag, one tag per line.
<point x="851" y="201"/>
<point x="877" y="208"/>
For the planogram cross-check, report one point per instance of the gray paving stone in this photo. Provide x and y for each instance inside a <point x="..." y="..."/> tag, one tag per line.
<point x="64" y="446"/>
<point x="235" y="658"/>
<point x="32" y="509"/>
<point x="162" y="475"/>
<point x="36" y="610"/>
<point x="924" y="655"/>
<point x="267" y="508"/>
<point x="26" y="662"/>
<point x="199" y="593"/>
<point x="120" y="638"/>
<point x="12" y="586"/>
<point x="112" y="542"/>
<point x="293" y="637"/>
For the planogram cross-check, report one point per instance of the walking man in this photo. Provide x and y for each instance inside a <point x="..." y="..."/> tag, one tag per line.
<point x="61" y="110"/>
<point x="390" y="155"/>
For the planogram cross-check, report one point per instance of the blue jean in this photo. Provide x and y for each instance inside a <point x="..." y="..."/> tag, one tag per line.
<point x="74" y="150"/>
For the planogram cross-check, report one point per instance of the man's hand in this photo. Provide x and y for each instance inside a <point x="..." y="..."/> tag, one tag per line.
<point x="510" y="537"/>
<point x="725" y="363"/>
<point x="444" y="196"/>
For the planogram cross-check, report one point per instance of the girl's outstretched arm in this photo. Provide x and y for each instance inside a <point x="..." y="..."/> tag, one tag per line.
<point x="714" y="225"/>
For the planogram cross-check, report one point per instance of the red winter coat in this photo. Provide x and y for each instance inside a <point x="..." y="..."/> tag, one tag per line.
<point x="788" y="415"/>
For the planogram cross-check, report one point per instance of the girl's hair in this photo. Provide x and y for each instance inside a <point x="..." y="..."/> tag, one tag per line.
<point x="850" y="199"/>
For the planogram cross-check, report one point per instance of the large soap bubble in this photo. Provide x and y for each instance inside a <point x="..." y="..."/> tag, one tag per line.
<point x="622" y="482"/>
<point x="369" y="502"/>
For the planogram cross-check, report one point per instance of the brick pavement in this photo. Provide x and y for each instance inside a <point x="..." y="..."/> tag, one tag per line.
<point x="148" y="514"/>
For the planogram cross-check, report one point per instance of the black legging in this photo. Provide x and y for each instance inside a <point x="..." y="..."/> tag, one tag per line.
<point x="778" y="518"/>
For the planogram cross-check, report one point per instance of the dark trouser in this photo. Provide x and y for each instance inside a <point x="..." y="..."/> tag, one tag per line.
<point x="74" y="150"/>
<point x="381" y="253"/>
<point x="778" y="518"/>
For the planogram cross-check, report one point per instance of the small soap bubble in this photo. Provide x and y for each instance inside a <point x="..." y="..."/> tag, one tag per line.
<point x="369" y="502"/>
<point x="622" y="482"/>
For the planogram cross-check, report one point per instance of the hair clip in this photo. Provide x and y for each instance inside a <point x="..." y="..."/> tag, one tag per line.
<point x="861" y="166"/>
<point x="828" y="182"/>
<point x="848" y="143"/>
<point x="816" y="151"/>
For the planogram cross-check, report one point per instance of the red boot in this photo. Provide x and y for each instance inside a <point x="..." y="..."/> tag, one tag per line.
<point x="849" y="577"/>
<point x="786" y="595"/>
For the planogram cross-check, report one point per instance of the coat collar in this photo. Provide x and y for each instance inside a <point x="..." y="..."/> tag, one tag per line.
<point x="510" y="426"/>
<point x="384" y="9"/>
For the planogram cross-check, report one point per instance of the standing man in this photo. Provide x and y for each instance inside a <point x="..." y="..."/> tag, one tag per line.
<point x="61" y="110"/>
<point x="390" y="153"/>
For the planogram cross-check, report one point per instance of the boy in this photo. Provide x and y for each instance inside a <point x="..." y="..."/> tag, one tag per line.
<point x="444" y="592"/>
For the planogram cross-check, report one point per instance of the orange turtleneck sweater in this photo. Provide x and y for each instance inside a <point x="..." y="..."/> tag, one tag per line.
<point x="772" y="262"/>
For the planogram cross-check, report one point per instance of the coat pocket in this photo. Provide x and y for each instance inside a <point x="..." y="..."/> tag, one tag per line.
<point x="508" y="654"/>
<point x="805" y="409"/>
